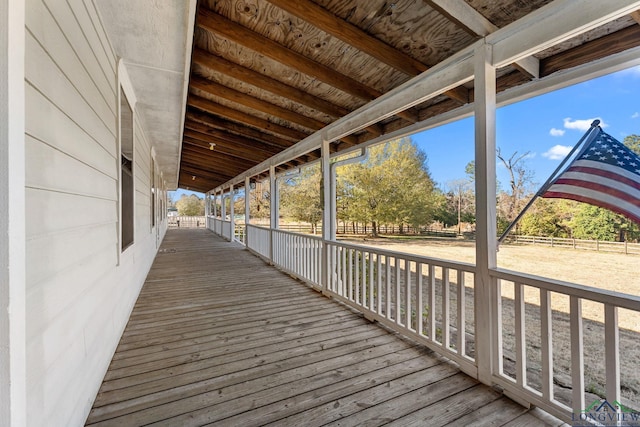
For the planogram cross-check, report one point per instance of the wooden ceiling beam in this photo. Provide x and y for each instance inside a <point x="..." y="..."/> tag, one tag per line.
<point x="232" y="31"/>
<point x="473" y="22"/>
<point x="229" y="138"/>
<point x="636" y="16"/>
<point x="213" y="22"/>
<point x="610" y="44"/>
<point x="221" y="124"/>
<point x="244" y="118"/>
<point x="247" y="75"/>
<point x="257" y="104"/>
<point x="225" y="147"/>
<point x="198" y="171"/>
<point x="337" y="27"/>
<point x="230" y="157"/>
<point x="221" y="65"/>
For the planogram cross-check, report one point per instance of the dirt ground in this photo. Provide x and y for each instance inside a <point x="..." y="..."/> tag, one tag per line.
<point x="615" y="272"/>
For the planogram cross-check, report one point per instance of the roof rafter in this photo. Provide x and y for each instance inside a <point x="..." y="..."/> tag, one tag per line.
<point x="238" y="97"/>
<point x="247" y="119"/>
<point x="234" y="128"/>
<point x="461" y="12"/>
<point x="331" y="24"/>
<point x="276" y="87"/>
<point x="232" y="31"/>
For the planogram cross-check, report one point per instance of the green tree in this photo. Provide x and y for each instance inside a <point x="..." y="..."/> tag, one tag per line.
<point x="392" y="186"/>
<point x="300" y="196"/>
<point x="190" y="205"/>
<point x="548" y="217"/>
<point x="633" y="143"/>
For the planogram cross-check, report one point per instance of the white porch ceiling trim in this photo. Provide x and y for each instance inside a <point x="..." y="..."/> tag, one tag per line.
<point x="561" y="20"/>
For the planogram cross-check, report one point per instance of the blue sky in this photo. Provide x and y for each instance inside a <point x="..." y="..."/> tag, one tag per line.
<point x="546" y="126"/>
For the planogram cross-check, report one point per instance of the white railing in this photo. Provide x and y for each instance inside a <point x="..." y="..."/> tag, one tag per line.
<point x="299" y="255"/>
<point x="538" y="327"/>
<point x="226" y="231"/>
<point x="530" y="362"/>
<point x="429" y="300"/>
<point x="240" y="234"/>
<point x="259" y="240"/>
<point x="186" y="221"/>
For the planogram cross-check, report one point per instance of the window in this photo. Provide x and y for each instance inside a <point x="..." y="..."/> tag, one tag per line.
<point x="126" y="172"/>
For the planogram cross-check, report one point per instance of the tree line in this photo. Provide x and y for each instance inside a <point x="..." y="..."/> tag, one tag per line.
<point x="393" y="186"/>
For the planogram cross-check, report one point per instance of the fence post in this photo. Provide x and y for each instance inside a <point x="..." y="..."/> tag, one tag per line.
<point x="597" y="245"/>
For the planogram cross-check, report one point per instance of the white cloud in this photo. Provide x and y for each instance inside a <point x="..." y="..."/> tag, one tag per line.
<point x="582" y="125"/>
<point x="556" y="132"/>
<point x="557" y="152"/>
<point x="635" y="115"/>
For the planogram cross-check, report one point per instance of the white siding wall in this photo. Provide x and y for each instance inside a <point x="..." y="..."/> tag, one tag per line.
<point x="78" y="296"/>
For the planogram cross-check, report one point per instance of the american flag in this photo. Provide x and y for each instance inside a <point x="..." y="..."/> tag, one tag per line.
<point x="605" y="173"/>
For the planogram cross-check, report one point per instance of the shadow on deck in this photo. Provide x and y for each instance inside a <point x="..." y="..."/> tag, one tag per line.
<point x="218" y="337"/>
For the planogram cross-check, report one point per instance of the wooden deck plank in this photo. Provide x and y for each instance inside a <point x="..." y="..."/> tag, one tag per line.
<point x="217" y="336"/>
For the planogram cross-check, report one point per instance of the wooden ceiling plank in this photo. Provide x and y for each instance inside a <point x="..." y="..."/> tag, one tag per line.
<point x="239" y="116"/>
<point x="610" y="44"/>
<point x="194" y="170"/>
<point x="232" y="31"/>
<point x="219" y="165"/>
<point x="230" y="154"/>
<point x="247" y="75"/>
<point x="237" y="97"/>
<point x="261" y="81"/>
<point x="241" y="98"/>
<point x="240" y="152"/>
<point x="473" y="22"/>
<point x="219" y="123"/>
<point x="212" y="167"/>
<point x="335" y="26"/>
<point x="219" y="136"/>
<point x="331" y="24"/>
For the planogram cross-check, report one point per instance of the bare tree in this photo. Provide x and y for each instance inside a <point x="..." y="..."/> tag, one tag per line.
<point x="520" y="178"/>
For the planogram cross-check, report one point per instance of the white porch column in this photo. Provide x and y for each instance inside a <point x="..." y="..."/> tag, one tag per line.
<point x="247" y="209"/>
<point x="231" y="214"/>
<point x="275" y="199"/>
<point x="12" y="215"/>
<point x="485" y="160"/>
<point x="223" y="207"/>
<point x="328" y="214"/>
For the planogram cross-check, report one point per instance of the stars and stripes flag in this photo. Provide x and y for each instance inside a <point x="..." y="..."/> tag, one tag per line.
<point x="605" y="173"/>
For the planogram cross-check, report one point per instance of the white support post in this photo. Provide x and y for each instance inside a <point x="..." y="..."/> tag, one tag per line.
<point x="12" y="215"/>
<point x="215" y="203"/>
<point x="232" y="224"/>
<point x="275" y="198"/>
<point x="485" y="161"/>
<point x="247" y="209"/>
<point x="273" y="208"/>
<point x="328" y="214"/>
<point x="223" y="207"/>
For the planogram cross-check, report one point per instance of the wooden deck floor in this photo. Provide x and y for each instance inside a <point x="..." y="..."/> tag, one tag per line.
<point x="218" y="337"/>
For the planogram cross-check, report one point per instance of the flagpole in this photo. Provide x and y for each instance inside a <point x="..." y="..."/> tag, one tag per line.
<point x="545" y="186"/>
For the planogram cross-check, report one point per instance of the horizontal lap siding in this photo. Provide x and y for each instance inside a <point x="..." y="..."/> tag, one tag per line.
<point x="79" y="294"/>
